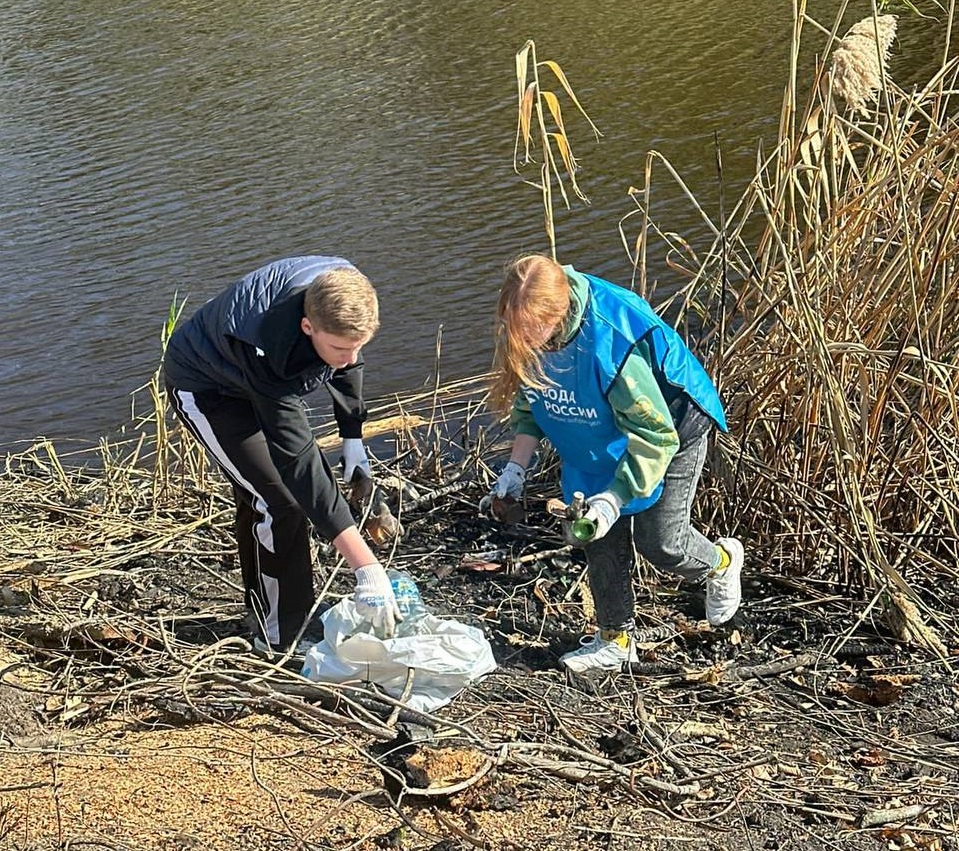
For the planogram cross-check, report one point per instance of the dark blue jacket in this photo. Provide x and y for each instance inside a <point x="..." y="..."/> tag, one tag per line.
<point x="247" y="342"/>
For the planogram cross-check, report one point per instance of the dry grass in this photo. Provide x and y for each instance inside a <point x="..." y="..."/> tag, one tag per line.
<point x="827" y="311"/>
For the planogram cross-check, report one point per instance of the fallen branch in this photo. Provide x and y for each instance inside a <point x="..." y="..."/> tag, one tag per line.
<point x="900" y="815"/>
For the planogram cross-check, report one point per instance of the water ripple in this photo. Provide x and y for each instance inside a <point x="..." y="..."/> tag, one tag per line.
<point x="167" y="146"/>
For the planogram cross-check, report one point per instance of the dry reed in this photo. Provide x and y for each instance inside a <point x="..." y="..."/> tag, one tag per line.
<point x="839" y="359"/>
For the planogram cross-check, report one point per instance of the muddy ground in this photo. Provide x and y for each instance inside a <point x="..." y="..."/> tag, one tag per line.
<point x="804" y="724"/>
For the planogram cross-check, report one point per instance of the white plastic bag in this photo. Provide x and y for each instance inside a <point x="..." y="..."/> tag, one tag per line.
<point x="447" y="656"/>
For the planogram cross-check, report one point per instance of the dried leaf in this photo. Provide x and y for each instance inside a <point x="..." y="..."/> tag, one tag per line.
<point x="516" y="640"/>
<point x="818" y="757"/>
<point x="810" y="149"/>
<point x="106" y="632"/>
<point x="870" y="759"/>
<point x="488" y="561"/>
<point x="525" y="120"/>
<point x="711" y="675"/>
<point x="566" y="153"/>
<point x="522" y="67"/>
<point x="569" y="90"/>
<point x="697" y="730"/>
<point x="481" y="566"/>
<point x="552" y="102"/>
<point x="539" y="592"/>
<point x="880" y="690"/>
<point x="907" y="624"/>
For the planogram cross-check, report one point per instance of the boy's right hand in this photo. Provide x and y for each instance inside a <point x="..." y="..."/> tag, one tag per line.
<point x="374" y="599"/>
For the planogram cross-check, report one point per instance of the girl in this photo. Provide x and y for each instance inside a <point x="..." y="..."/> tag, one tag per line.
<point x="592" y="368"/>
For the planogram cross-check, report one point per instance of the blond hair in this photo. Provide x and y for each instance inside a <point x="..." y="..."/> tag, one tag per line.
<point x="342" y="301"/>
<point x="535" y="296"/>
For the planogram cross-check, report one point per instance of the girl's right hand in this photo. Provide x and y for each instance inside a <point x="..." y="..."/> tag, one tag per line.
<point x="509" y="484"/>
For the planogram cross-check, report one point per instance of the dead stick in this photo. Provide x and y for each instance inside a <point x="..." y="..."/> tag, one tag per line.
<point x="576" y="584"/>
<point x="405" y="696"/>
<point x="738" y="767"/>
<point x="651" y="734"/>
<point x="630" y="777"/>
<point x="540" y="555"/>
<point x="875" y="818"/>
<point x="410" y="504"/>
<point x="804" y="660"/>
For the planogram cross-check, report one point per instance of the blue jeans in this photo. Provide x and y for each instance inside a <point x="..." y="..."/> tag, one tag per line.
<point x="662" y="533"/>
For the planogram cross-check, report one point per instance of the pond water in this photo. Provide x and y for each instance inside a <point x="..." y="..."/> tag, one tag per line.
<point x="169" y="146"/>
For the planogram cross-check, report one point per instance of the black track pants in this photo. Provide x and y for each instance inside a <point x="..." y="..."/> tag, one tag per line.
<point x="272" y="531"/>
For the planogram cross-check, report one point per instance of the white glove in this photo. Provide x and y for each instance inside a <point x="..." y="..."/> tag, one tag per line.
<point x="374" y="599"/>
<point x="603" y="510"/>
<point x="509" y="484"/>
<point x="354" y="457"/>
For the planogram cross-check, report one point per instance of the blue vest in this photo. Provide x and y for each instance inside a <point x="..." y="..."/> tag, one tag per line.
<point x="574" y="412"/>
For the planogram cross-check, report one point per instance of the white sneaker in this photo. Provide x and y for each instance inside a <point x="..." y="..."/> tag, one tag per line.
<point x="598" y="654"/>
<point x="724" y="591"/>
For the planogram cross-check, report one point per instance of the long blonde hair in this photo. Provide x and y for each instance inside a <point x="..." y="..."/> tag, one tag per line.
<point x="534" y="296"/>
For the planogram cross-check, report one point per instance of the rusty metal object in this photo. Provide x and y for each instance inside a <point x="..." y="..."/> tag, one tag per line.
<point x="381" y="526"/>
<point x="506" y="509"/>
<point x="578" y="530"/>
<point x="359" y="490"/>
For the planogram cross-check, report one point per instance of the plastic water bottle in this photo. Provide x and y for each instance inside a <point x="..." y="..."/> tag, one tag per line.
<point x="409" y="602"/>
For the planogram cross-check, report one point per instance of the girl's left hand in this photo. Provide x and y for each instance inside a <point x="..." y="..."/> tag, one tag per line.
<point x="603" y="510"/>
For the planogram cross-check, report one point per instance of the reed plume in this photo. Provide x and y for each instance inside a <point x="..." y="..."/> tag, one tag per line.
<point x="859" y="62"/>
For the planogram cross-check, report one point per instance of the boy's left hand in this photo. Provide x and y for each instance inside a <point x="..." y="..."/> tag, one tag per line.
<point x="354" y="458"/>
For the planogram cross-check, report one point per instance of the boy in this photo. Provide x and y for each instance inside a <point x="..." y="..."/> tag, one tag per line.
<point x="236" y="373"/>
